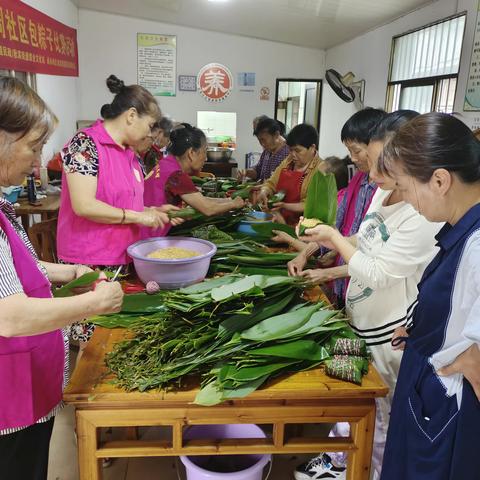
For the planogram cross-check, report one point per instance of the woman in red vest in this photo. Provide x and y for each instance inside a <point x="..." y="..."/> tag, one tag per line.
<point x="33" y="344"/>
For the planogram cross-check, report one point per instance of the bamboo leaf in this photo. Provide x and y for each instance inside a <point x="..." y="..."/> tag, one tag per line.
<point x="321" y="201"/>
<point x="315" y="322"/>
<point x="265" y="229"/>
<point x="300" y="349"/>
<point x="209" y="395"/>
<point x="143" y="303"/>
<point x="281" y="325"/>
<point x="83" y="281"/>
<point x="238" y="323"/>
<point x="246" y="284"/>
<point x="245" y="389"/>
<point x="253" y="373"/>
<point x="208" y="285"/>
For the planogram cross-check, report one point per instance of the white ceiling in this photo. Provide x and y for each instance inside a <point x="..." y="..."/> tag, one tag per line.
<point x="309" y="23"/>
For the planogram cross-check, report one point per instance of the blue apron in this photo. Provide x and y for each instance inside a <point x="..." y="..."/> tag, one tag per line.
<point x="429" y="437"/>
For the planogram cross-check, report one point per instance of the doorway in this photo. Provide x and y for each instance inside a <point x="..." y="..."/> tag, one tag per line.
<point x="298" y="101"/>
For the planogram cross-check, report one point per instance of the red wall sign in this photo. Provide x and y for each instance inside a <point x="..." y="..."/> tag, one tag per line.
<point x="31" y="41"/>
<point x="214" y="82"/>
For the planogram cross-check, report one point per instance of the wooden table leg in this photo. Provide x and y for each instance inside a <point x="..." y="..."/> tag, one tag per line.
<point x="87" y="437"/>
<point x="25" y="221"/>
<point x="359" y="460"/>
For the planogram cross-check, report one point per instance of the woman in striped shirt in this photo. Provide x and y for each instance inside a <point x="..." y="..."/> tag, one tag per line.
<point x="33" y="345"/>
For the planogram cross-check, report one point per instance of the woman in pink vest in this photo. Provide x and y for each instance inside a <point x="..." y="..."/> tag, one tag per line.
<point x="170" y="183"/>
<point x="33" y="344"/>
<point x="102" y="209"/>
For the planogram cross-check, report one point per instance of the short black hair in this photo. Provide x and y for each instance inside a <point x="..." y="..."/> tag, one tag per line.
<point x="360" y="126"/>
<point x="304" y="135"/>
<point x="391" y="124"/>
<point x="269" y="125"/>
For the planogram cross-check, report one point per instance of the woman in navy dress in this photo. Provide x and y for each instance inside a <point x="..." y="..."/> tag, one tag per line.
<point x="435" y="418"/>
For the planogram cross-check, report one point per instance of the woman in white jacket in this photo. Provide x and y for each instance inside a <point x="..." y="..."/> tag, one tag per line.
<point x="385" y="260"/>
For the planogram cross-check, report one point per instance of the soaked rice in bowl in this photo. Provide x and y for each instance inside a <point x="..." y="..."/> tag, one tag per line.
<point x="172" y="253"/>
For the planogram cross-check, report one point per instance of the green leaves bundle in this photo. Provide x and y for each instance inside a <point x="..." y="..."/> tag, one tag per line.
<point x="234" y="331"/>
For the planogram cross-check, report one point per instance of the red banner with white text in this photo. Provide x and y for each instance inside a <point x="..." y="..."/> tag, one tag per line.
<point x="31" y="41"/>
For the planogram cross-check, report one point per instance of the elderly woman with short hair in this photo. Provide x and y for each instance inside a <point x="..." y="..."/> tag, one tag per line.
<point x="33" y="346"/>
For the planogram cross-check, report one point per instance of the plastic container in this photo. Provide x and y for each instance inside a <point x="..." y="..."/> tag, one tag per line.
<point x="232" y="467"/>
<point x="245" y="226"/>
<point x="11" y="193"/>
<point x="172" y="273"/>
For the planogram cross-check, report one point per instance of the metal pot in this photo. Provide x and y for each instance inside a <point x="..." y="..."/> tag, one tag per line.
<point x="219" y="154"/>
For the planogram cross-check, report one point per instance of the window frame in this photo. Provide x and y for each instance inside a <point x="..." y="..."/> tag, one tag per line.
<point x="30" y="77"/>
<point x="435" y="80"/>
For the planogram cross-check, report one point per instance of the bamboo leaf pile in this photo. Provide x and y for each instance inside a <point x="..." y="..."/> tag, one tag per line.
<point x="234" y="332"/>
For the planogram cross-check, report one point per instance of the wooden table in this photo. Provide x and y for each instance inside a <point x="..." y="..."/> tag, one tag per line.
<point x="47" y="209"/>
<point x="220" y="169"/>
<point x="304" y="398"/>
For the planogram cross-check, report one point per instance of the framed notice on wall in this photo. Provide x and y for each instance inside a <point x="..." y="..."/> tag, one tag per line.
<point x="157" y="63"/>
<point x="472" y="92"/>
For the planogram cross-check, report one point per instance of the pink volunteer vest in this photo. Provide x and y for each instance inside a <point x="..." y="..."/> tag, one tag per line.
<point x="154" y="195"/>
<point x="120" y="184"/>
<point x="31" y="368"/>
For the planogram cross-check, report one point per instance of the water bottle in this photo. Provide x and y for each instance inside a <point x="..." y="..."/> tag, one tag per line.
<point x="31" y="190"/>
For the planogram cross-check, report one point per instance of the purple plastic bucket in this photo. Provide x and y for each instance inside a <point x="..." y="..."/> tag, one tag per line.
<point x="172" y="273"/>
<point x="203" y="467"/>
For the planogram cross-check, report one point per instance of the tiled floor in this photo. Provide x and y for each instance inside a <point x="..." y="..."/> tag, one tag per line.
<point x="63" y="459"/>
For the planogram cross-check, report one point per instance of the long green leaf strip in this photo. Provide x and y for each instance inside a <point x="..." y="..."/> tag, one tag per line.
<point x="236" y="332"/>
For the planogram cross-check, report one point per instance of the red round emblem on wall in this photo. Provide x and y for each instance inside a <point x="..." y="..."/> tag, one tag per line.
<point x="215" y="82"/>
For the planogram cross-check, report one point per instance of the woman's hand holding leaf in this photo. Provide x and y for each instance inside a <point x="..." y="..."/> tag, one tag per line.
<point x="322" y="234"/>
<point x="278" y="217"/>
<point x="152" y="217"/>
<point x="316" y="276"/>
<point x="327" y="260"/>
<point x="295" y="266"/>
<point x="81" y="270"/>
<point x="170" y="208"/>
<point x="282" y="237"/>
<point x="108" y="297"/>
<point x="278" y="206"/>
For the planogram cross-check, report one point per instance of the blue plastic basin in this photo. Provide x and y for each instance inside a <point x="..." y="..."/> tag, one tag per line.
<point x="245" y="226"/>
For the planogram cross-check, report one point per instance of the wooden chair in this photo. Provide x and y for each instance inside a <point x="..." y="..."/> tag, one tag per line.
<point x="43" y="236"/>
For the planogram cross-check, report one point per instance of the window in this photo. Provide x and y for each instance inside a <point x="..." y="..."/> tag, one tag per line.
<point x="27" y="77"/>
<point x="218" y="126"/>
<point x="424" y="67"/>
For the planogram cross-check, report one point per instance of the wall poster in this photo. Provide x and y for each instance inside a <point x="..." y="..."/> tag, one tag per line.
<point x="157" y="63"/>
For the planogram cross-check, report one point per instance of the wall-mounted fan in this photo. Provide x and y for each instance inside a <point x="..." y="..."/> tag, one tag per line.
<point x="346" y="86"/>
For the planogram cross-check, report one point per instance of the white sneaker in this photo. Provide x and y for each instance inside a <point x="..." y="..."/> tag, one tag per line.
<point x="320" y="467"/>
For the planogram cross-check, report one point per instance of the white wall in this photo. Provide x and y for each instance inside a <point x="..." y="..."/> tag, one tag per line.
<point x="107" y="45"/>
<point x="59" y="92"/>
<point x="368" y="56"/>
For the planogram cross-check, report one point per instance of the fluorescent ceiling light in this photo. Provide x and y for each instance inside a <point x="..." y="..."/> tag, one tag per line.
<point x="218" y="1"/>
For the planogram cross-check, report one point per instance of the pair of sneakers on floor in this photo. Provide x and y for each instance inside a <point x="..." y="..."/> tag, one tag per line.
<point x="321" y="467"/>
